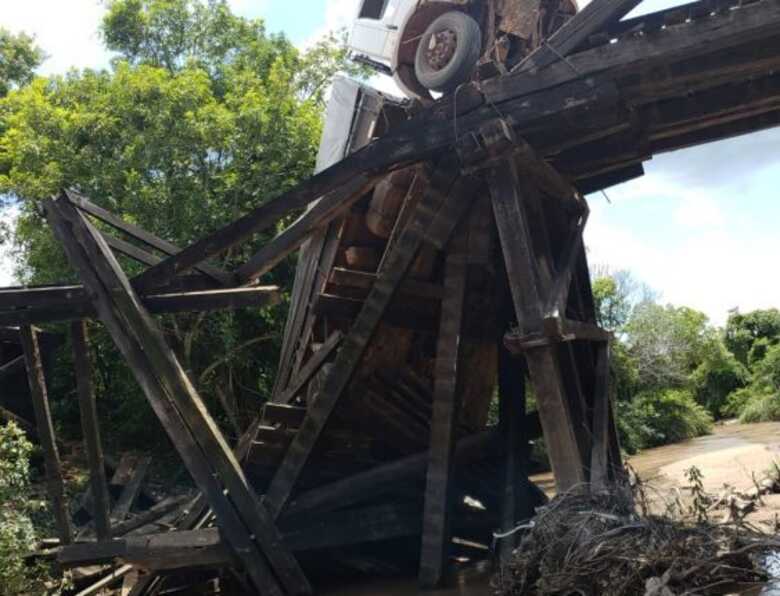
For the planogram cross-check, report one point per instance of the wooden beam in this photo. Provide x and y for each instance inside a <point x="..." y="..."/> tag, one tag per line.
<point x="559" y="292"/>
<point x="311" y="368"/>
<point x="131" y="250"/>
<point x="599" y="457"/>
<point x="595" y="17"/>
<point x="520" y="263"/>
<point x="434" y="562"/>
<point x="177" y="404"/>
<point x="78" y="307"/>
<point x="55" y="485"/>
<point x="514" y="431"/>
<point x="165" y="247"/>
<point x="377" y="481"/>
<point x="365" y="281"/>
<point x="101" y="501"/>
<point x="328" y="208"/>
<point x="435" y="218"/>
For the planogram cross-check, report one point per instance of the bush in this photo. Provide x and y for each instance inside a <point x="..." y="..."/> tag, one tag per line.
<point x="17" y="535"/>
<point x="761" y="408"/>
<point x="719" y="374"/>
<point x="661" y="417"/>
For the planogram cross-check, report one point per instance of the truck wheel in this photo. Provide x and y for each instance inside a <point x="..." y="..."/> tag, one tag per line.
<point x="448" y="52"/>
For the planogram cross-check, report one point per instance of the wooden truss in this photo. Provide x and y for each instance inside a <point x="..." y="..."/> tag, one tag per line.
<point x="397" y="338"/>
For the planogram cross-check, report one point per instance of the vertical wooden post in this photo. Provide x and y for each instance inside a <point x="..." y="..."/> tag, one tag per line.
<point x="599" y="459"/>
<point x="89" y="426"/>
<point x="446" y="409"/>
<point x="522" y="271"/>
<point x="178" y="406"/>
<point x="511" y="395"/>
<point x="54" y="483"/>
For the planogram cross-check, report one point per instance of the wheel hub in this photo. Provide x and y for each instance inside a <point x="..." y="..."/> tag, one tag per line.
<point x="441" y="48"/>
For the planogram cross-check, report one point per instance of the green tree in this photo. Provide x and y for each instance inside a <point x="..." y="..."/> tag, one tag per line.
<point x="202" y="118"/>
<point x="668" y="343"/>
<point x="744" y="330"/>
<point x="19" y="57"/>
<point x="17" y="534"/>
<point x="718" y="375"/>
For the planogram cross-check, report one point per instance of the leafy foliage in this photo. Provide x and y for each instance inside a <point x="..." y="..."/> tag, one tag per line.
<point x="19" y="57"/>
<point x="660" y="417"/>
<point x="203" y="117"/>
<point x="17" y="534"/>
<point x="743" y="331"/>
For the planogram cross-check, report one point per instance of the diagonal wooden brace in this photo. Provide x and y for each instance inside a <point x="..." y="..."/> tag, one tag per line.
<point x="246" y="524"/>
<point x="434" y="221"/>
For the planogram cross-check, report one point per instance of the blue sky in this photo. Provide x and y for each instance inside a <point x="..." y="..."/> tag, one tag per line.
<point x="700" y="227"/>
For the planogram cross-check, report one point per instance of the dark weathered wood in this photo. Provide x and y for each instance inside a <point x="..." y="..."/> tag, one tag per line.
<point x="599" y="456"/>
<point x="559" y="292"/>
<point x="131" y="489"/>
<point x="311" y="368"/>
<point x="514" y="430"/>
<point x="435" y="219"/>
<point x="595" y="17"/>
<point x="446" y="410"/>
<point x="176" y="403"/>
<point x="365" y="281"/>
<point x="165" y="247"/>
<point x="131" y="250"/>
<point x="326" y="210"/>
<point x="12" y="367"/>
<point x="55" y="485"/>
<point x="157" y="511"/>
<point x="557" y="421"/>
<point x="78" y="307"/>
<point x="101" y="502"/>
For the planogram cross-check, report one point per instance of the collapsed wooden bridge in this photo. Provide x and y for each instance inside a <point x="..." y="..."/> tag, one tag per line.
<point x="410" y="313"/>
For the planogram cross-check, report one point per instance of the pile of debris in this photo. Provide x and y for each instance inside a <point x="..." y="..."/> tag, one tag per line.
<point x="600" y="544"/>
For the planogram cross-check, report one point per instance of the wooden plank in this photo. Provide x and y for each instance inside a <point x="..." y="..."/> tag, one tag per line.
<point x="165" y="247"/>
<point x="101" y="501"/>
<point x="311" y="368"/>
<point x="131" y="250"/>
<point x="518" y="250"/>
<point x="203" y="301"/>
<point x="599" y="456"/>
<point x="114" y="576"/>
<point x="131" y="489"/>
<point x="155" y="512"/>
<point x="326" y="210"/>
<point x="596" y="16"/>
<point x="365" y="281"/>
<point x="559" y="292"/>
<point x="434" y="221"/>
<point x="180" y="409"/>
<point x="55" y="485"/>
<point x="446" y="410"/>
<point x="511" y="395"/>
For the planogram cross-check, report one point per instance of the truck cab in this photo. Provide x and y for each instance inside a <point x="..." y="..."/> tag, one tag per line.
<point x="435" y="45"/>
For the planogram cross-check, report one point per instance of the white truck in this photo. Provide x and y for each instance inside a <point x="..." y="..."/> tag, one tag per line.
<point x="435" y="45"/>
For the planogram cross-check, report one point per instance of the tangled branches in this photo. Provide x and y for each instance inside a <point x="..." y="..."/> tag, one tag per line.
<point x="598" y="545"/>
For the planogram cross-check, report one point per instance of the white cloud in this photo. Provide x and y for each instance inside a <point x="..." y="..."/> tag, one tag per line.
<point x="66" y="30"/>
<point x="339" y="14"/>
<point x="8" y="216"/>
<point x="697" y="254"/>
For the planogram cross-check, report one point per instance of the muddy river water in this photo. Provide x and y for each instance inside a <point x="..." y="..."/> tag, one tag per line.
<point x="731" y="455"/>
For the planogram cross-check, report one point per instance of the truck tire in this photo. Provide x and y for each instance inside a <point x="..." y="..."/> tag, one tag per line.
<point x="448" y="52"/>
